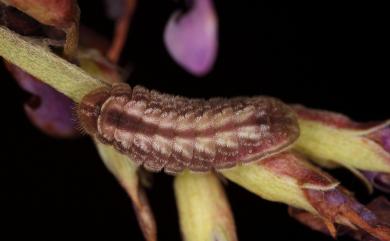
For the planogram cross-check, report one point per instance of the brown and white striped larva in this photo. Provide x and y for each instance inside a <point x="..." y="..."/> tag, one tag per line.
<point x="161" y="131"/>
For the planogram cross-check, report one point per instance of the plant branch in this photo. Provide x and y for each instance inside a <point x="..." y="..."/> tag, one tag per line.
<point x="40" y="62"/>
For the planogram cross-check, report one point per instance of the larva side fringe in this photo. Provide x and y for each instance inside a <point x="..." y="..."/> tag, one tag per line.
<point x="161" y="131"/>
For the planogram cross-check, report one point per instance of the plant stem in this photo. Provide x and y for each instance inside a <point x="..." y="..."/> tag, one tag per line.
<point x="40" y="62"/>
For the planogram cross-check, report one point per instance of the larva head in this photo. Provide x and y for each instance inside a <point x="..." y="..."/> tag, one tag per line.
<point x="88" y="110"/>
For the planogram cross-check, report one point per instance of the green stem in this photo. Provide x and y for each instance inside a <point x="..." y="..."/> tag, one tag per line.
<point x="38" y="61"/>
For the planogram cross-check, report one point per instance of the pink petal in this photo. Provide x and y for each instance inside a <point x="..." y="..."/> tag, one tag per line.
<point x="47" y="109"/>
<point x="386" y="138"/>
<point x="380" y="180"/>
<point x="192" y="38"/>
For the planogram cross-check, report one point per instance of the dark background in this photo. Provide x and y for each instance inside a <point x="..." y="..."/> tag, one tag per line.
<point x="322" y="55"/>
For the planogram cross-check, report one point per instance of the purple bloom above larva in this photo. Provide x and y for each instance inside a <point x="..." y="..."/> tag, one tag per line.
<point x="192" y="37"/>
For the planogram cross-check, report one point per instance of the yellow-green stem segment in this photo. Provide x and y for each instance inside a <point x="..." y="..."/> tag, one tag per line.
<point x="40" y="62"/>
<point x="203" y="208"/>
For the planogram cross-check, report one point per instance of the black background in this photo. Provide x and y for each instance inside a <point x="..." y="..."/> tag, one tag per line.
<point x="323" y="55"/>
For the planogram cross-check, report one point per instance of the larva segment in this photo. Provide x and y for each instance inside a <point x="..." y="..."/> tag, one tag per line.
<point x="174" y="133"/>
<point x="88" y="110"/>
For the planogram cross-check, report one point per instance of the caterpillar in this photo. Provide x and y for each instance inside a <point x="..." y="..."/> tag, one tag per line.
<point x="162" y="131"/>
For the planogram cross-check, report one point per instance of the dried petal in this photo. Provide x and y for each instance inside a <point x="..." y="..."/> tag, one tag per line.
<point x="25" y="25"/>
<point x="18" y="21"/>
<point x="288" y="178"/>
<point x="126" y="173"/>
<point x="203" y="208"/>
<point x="338" y="206"/>
<point x="121" y="11"/>
<point x="311" y="220"/>
<point x="59" y="13"/>
<point x="192" y="37"/>
<point x="380" y="207"/>
<point x="334" y="140"/>
<point x="62" y="14"/>
<point x="47" y="109"/>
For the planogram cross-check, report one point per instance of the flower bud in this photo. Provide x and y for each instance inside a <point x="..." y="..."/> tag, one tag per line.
<point x="204" y="211"/>
<point x="333" y="140"/>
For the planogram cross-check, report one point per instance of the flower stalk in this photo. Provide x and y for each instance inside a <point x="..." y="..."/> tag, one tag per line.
<point x="204" y="210"/>
<point x="126" y="173"/>
<point x="37" y="60"/>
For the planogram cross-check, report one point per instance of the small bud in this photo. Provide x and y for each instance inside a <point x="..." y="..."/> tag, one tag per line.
<point x="204" y="211"/>
<point x="334" y="140"/>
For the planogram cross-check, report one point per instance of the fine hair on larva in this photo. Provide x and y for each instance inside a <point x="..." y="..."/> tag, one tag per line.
<point x="162" y="131"/>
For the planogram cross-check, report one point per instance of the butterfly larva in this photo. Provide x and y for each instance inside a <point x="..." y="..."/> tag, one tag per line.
<point x="169" y="132"/>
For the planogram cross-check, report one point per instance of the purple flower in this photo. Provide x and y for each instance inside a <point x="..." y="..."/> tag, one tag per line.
<point x="192" y="37"/>
<point x="49" y="110"/>
<point x="380" y="180"/>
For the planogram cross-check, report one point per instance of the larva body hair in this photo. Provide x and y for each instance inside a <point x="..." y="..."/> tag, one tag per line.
<point x="161" y="131"/>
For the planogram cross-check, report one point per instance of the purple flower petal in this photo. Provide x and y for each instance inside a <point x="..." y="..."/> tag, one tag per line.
<point x="380" y="180"/>
<point x="192" y="38"/>
<point x="386" y="138"/>
<point x="47" y="109"/>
